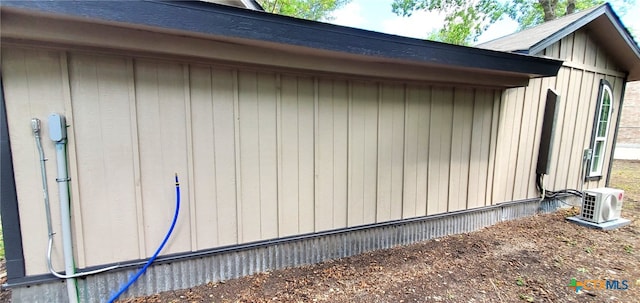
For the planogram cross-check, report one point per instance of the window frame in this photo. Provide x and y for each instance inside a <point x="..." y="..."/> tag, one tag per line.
<point x="598" y="136"/>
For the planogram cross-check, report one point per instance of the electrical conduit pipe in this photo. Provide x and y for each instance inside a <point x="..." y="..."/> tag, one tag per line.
<point x="58" y="134"/>
<point x="35" y="126"/>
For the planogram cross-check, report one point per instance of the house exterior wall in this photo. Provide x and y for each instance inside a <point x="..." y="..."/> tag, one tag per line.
<point x="261" y="153"/>
<point x="629" y="132"/>
<point x="577" y="84"/>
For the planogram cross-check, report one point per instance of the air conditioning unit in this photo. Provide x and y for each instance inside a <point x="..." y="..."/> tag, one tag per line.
<point x="602" y="204"/>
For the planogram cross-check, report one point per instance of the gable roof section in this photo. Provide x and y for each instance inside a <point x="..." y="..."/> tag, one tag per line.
<point x="260" y="29"/>
<point x="602" y="22"/>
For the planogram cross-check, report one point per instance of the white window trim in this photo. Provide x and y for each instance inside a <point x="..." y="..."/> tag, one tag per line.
<point x="596" y="171"/>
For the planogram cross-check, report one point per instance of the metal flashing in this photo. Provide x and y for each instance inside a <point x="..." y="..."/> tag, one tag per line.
<point x="189" y="269"/>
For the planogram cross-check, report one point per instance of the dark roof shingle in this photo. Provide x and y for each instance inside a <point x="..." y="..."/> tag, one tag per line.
<point x="603" y="24"/>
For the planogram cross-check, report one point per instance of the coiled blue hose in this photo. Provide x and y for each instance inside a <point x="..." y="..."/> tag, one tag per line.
<point x="155" y="255"/>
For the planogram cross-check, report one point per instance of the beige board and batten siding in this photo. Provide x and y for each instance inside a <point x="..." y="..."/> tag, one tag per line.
<point x="577" y="84"/>
<point x="261" y="154"/>
<point x="34" y="86"/>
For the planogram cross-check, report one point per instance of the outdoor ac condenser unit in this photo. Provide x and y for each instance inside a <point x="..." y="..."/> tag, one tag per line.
<point x="602" y="204"/>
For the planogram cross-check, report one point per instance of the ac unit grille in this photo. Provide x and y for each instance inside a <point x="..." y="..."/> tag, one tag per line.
<point x="601" y="205"/>
<point x="589" y="206"/>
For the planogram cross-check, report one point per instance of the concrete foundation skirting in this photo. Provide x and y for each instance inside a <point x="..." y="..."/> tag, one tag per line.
<point x="228" y="264"/>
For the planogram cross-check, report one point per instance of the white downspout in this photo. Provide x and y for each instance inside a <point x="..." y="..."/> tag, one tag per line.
<point x="58" y="134"/>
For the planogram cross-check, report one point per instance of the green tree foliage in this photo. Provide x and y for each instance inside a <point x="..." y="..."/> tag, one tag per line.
<point x="465" y="21"/>
<point x="305" y="9"/>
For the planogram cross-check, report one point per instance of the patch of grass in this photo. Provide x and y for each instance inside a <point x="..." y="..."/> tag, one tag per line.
<point x="588" y="249"/>
<point x="628" y="249"/>
<point x="582" y="270"/>
<point x="625" y="176"/>
<point x="527" y="298"/>
<point x="520" y="281"/>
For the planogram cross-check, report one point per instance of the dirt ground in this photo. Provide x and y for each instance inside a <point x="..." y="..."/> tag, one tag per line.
<point x="527" y="260"/>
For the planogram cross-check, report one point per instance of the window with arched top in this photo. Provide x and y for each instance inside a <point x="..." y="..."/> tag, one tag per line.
<point x="602" y="120"/>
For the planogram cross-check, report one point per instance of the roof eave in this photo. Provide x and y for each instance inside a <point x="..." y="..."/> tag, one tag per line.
<point x="220" y="21"/>
<point x="604" y="11"/>
<point x="555" y="37"/>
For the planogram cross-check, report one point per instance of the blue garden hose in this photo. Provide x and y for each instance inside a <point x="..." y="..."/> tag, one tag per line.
<point x="155" y="255"/>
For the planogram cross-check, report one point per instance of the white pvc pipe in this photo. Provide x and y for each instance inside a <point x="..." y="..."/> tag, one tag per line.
<point x="58" y="134"/>
<point x="65" y="214"/>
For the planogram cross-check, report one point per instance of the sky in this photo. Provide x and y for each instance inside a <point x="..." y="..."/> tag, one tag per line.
<point x="376" y="15"/>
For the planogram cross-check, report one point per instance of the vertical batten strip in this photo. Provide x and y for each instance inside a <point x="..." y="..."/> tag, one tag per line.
<point x="300" y="105"/>
<point x="190" y="166"/>
<point x="76" y="214"/>
<point x="306" y="138"/>
<point x="377" y="196"/>
<point x="323" y="192"/>
<point x="349" y="150"/>
<point x="339" y="151"/>
<point x="495" y="126"/>
<point x="514" y="153"/>
<point x="266" y="82"/>
<point x="224" y="153"/>
<point x="465" y="149"/>
<point x="426" y="119"/>
<point x="581" y="123"/>
<point x="522" y="176"/>
<point x="397" y="152"/>
<point x="236" y="118"/>
<point x="500" y="133"/>
<point x="432" y="173"/>
<point x="574" y="153"/>
<point x="487" y="111"/>
<point x="136" y="157"/>
<point x="568" y="132"/>
<point x="483" y="106"/>
<point x="405" y="101"/>
<point x="519" y="172"/>
<point x="540" y="88"/>
<point x="562" y="87"/>
<point x="204" y="180"/>
<point x="467" y="137"/>
<point x="316" y="151"/>
<point x="281" y="197"/>
<point x="440" y="132"/>
<point x="425" y="99"/>
<point x="406" y="213"/>
<point x="450" y="104"/>
<point x="460" y="148"/>
<point x="470" y="165"/>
